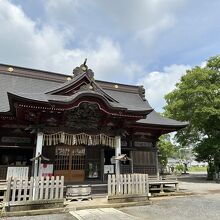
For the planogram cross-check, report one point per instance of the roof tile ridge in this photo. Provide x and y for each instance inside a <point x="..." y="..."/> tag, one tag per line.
<point x="63" y="85"/>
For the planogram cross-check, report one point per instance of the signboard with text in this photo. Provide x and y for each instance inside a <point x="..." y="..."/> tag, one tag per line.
<point x="108" y="169"/>
<point x="46" y="169"/>
<point x="17" y="172"/>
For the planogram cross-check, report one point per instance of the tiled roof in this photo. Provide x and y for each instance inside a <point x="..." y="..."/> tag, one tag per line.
<point x="155" y="119"/>
<point x="18" y="84"/>
<point x="35" y="89"/>
<point x="34" y="84"/>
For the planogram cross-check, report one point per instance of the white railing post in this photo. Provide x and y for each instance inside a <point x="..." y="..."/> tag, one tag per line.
<point x="37" y="161"/>
<point x="147" y="185"/>
<point x="38" y="152"/>
<point x="109" y="185"/>
<point x="117" y="153"/>
<point x="117" y="162"/>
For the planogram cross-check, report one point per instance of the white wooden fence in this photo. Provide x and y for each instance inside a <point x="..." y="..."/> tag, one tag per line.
<point x="38" y="188"/>
<point x="128" y="184"/>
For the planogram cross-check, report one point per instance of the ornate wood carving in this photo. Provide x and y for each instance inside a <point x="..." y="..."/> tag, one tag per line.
<point x="86" y="116"/>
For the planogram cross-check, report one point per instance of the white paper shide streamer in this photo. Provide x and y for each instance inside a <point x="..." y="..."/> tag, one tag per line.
<point x="78" y="139"/>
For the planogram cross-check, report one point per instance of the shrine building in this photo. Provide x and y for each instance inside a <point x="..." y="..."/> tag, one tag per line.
<point x="82" y="128"/>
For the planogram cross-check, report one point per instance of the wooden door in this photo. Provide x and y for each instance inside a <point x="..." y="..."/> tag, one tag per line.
<point x="70" y="163"/>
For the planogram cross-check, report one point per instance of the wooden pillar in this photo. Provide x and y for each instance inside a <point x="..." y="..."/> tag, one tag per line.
<point x="131" y="162"/>
<point x="157" y="162"/>
<point x="38" y="152"/>
<point x="102" y="164"/>
<point x="117" y="153"/>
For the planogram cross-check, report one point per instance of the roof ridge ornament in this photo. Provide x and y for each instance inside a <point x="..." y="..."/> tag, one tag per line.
<point x="83" y="68"/>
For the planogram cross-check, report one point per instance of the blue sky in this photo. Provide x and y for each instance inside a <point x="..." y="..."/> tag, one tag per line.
<point x="148" y="42"/>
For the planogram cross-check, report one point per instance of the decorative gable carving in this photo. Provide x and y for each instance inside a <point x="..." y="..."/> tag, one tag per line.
<point x="83" y="80"/>
<point x="86" y="116"/>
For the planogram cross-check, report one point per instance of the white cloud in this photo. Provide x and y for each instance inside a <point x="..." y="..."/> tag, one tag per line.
<point x="106" y="60"/>
<point x="142" y="21"/>
<point x="158" y="84"/>
<point x="128" y="14"/>
<point x="203" y="64"/>
<point x="23" y="43"/>
<point x="146" y="20"/>
<point x="59" y="43"/>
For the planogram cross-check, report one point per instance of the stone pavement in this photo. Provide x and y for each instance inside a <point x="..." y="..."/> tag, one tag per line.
<point x="64" y="216"/>
<point x="100" y="202"/>
<point x="102" y="214"/>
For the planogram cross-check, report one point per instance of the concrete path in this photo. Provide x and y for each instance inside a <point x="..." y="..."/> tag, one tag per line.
<point x="102" y="214"/>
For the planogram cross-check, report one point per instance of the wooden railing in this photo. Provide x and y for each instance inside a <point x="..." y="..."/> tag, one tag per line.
<point x="38" y="188"/>
<point x="128" y="184"/>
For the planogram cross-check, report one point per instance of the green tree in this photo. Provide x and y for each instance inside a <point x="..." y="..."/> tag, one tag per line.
<point x="166" y="149"/>
<point x="196" y="99"/>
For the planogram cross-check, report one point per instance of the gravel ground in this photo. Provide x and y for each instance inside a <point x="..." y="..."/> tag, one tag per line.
<point x="197" y="183"/>
<point x="201" y="207"/>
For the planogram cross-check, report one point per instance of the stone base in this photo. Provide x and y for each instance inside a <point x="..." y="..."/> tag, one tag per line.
<point x="127" y="198"/>
<point x="34" y="205"/>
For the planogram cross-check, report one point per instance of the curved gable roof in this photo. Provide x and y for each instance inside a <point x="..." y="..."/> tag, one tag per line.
<point x="155" y="119"/>
<point x="39" y="85"/>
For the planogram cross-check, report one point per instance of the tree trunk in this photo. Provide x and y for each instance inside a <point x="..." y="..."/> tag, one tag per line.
<point x="210" y="170"/>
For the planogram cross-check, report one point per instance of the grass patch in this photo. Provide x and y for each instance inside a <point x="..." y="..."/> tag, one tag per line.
<point x="197" y="169"/>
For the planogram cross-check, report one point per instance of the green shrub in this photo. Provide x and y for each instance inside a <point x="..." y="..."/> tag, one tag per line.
<point x="179" y="167"/>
